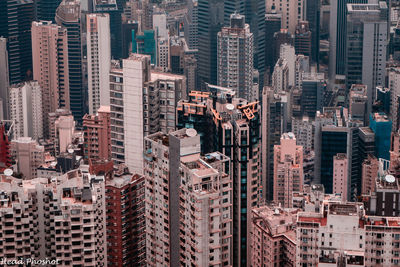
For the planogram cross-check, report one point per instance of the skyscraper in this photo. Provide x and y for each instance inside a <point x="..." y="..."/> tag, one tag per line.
<point x="313" y="15"/>
<point x="382" y="127"/>
<point x="99" y="60"/>
<point x="50" y="67"/>
<point x="235" y="58"/>
<point x="68" y="16"/>
<point x="288" y="170"/>
<point x="210" y="21"/>
<point x="366" y="63"/>
<point x="16" y="18"/>
<point x="292" y="12"/>
<point x="4" y="79"/>
<point x="46" y="9"/>
<point x="26" y="110"/>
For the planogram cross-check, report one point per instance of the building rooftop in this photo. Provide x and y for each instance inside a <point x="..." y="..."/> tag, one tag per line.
<point x="380" y="117"/>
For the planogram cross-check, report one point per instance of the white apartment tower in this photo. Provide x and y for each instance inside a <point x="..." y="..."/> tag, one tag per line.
<point x="26" y="110"/>
<point x="235" y="58"/>
<point x="99" y="60"/>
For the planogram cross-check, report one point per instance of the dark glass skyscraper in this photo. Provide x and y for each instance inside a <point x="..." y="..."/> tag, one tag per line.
<point x="46" y="9"/>
<point x="68" y="16"/>
<point x="210" y="21"/>
<point x="15" y="25"/>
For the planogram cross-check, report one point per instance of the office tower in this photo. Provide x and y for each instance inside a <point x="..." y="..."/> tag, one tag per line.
<point x="4" y="82"/>
<point x="287" y="52"/>
<point x="50" y="67"/>
<point x="337" y="38"/>
<point x="302" y="65"/>
<point x="235" y="58"/>
<point x="326" y="234"/>
<point x="292" y="12"/>
<point x="302" y="39"/>
<point x="69" y="212"/>
<point x="163" y="192"/>
<point x="129" y="30"/>
<point x="64" y="127"/>
<point x="68" y="16"/>
<point x="146" y="44"/>
<point x="99" y="60"/>
<point x="336" y="133"/>
<point x="280" y="76"/>
<point x="312" y="90"/>
<point x="28" y="155"/>
<point x="273" y="238"/>
<point x="303" y="129"/>
<point x="382" y="127"/>
<point x="114" y="10"/>
<point x="160" y="24"/>
<point x="280" y="37"/>
<point x="394" y="87"/>
<point x="178" y="50"/>
<point x="125" y="221"/>
<point x="275" y="120"/>
<point x="272" y="25"/>
<point x="5" y="152"/>
<point x="383" y="99"/>
<point x="231" y="126"/>
<point x="313" y="16"/>
<point x="366" y="24"/>
<point x="288" y="170"/>
<point x="45" y="9"/>
<point x="358" y="102"/>
<point x="97" y="135"/>
<point x="16" y="18"/>
<point x="395" y="147"/>
<point x="340" y="176"/>
<point x="210" y="21"/>
<point x="191" y="24"/>
<point x="370" y="167"/>
<point x="26" y="110"/>
<point x="211" y="199"/>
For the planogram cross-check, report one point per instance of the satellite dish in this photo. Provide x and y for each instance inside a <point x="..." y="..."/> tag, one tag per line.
<point x="70" y="151"/>
<point x="8" y="172"/>
<point x="277" y="212"/>
<point x="191" y="132"/>
<point x="390" y="178"/>
<point x="230" y="106"/>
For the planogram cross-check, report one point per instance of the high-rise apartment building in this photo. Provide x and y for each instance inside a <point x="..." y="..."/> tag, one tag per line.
<point x="370" y="167"/>
<point x="235" y="58"/>
<point x="231" y="126"/>
<point x="340" y="176"/>
<point x="50" y="67"/>
<point x="394" y="87"/>
<point x="125" y="222"/>
<point x="142" y="101"/>
<point x="358" y="99"/>
<point x="26" y="110"/>
<point x="292" y="12"/>
<point x="28" y="155"/>
<point x="280" y="76"/>
<point x="60" y="221"/>
<point x="96" y="135"/>
<point x="5" y="152"/>
<point x="99" y="60"/>
<point x="68" y="16"/>
<point x="191" y="25"/>
<point x="273" y="236"/>
<point x="275" y="120"/>
<point x="366" y="24"/>
<point x="288" y="170"/>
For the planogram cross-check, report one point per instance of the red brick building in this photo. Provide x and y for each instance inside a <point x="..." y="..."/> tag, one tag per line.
<point x="125" y="221"/>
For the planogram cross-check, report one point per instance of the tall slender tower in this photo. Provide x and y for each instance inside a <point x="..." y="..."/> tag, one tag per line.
<point x="288" y="170"/>
<point x="68" y="16"/>
<point x="50" y="67"/>
<point x="235" y="58"/>
<point x="99" y="60"/>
